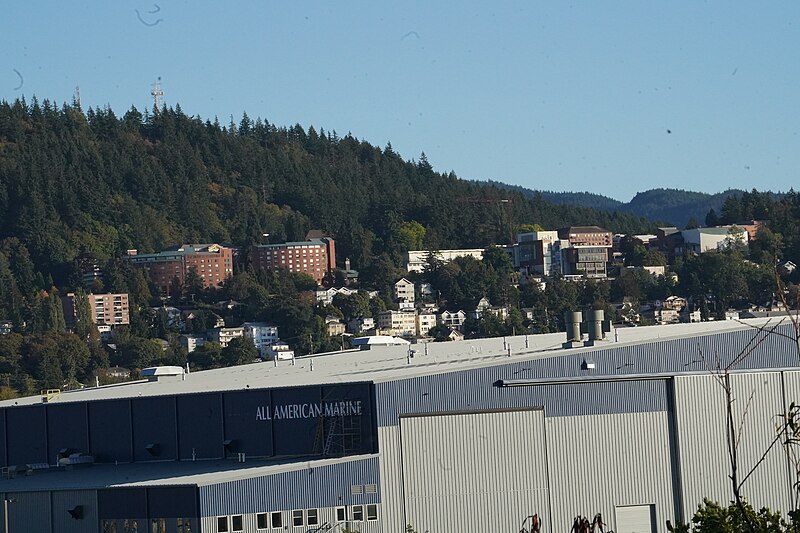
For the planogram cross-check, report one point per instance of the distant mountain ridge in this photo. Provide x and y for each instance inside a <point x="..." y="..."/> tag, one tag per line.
<point x="669" y="206"/>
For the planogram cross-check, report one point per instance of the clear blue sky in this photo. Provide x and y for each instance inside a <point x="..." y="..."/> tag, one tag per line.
<point x="549" y="95"/>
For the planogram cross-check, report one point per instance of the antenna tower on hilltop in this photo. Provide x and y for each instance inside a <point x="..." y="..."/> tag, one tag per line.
<point x="157" y="93"/>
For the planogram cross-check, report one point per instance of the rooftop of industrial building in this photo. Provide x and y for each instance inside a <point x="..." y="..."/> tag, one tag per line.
<point x="391" y="363"/>
<point x="161" y="473"/>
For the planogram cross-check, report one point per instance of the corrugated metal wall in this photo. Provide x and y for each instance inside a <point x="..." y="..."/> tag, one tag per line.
<point x="701" y="434"/>
<point x="64" y="501"/>
<point x="391" y="474"/>
<point x="475" y="391"/>
<point x="323" y="486"/>
<point x="486" y="470"/>
<point x="603" y="461"/>
<point x="28" y="512"/>
<point x="326" y="514"/>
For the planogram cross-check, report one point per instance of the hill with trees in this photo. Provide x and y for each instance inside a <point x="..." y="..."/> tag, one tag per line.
<point x="664" y="206"/>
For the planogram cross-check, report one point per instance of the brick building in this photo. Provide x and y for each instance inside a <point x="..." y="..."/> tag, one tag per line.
<point x="212" y="262"/>
<point x="315" y="257"/>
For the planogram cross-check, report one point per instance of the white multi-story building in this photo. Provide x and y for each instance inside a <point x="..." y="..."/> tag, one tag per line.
<point x="425" y="321"/>
<point x="404" y="290"/>
<point x="223" y="336"/>
<point x="262" y="334"/>
<point x="191" y="342"/>
<point x="701" y="240"/>
<point x="416" y="259"/>
<point x="402" y="323"/>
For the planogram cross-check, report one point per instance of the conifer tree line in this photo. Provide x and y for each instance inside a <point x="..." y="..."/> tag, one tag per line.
<point x="79" y="188"/>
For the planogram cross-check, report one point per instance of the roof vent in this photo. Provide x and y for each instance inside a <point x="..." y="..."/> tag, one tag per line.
<point x="157" y="373"/>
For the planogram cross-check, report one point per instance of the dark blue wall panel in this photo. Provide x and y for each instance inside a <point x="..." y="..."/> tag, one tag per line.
<point x="3" y="457"/>
<point x="200" y="426"/>
<point x="154" y="424"/>
<point x="122" y="503"/>
<point x="110" y="431"/>
<point x="246" y="422"/>
<point x="27" y="442"/>
<point x="172" y="502"/>
<point x="67" y="427"/>
<point x="296" y="430"/>
<point x="316" y="421"/>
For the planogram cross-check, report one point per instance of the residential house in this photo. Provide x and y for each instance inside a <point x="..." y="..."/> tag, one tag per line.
<point x="191" y="342"/>
<point x="334" y="326"/>
<point x="223" y="336"/>
<point x="6" y="327"/>
<point x="425" y="321"/>
<point x="325" y="296"/>
<point x="404" y="290"/>
<point x="360" y="324"/>
<point x="262" y="334"/>
<point x="453" y="319"/>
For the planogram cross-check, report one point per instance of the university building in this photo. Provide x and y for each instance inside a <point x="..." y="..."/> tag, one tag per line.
<point x="315" y="257"/>
<point x="212" y="262"/>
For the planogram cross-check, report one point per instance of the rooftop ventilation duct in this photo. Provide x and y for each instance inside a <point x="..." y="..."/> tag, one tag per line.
<point x="573" y="320"/>
<point x="595" y="324"/>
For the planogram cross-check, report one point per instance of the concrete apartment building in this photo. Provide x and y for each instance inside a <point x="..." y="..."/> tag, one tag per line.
<point x="106" y="309"/>
<point x="315" y="257"/>
<point x="400" y="323"/>
<point x="212" y="262"/>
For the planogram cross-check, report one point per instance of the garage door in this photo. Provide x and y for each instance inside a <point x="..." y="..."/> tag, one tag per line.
<point x="476" y="471"/>
<point x="635" y="519"/>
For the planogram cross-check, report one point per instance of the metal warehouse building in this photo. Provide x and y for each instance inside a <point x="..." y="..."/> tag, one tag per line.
<point x="474" y="435"/>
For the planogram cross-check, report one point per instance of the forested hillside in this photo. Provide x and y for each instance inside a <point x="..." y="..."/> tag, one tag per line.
<point x="91" y="184"/>
<point x="664" y="206"/>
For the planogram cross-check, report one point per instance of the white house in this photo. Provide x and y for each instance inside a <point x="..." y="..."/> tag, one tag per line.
<point x="453" y="319"/>
<point x="425" y="321"/>
<point x="262" y="334"/>
<point x="360" y="324"/>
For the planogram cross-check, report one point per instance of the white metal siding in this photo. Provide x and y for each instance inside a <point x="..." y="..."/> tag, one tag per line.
<point x="701" y="422"/>
<point x="391" y="476"/>
<point x="600" y="462"/>
<point x="325" y="514"/>
<point x="634" y="519"/>
<point x="477" y="470"/>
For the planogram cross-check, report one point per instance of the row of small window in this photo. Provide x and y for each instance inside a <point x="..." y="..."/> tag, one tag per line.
<point x="157" y="525"/>
<point x="299" y="518"/>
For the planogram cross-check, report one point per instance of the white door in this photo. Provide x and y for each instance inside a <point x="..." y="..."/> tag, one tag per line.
<point x="635" y="519"/>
